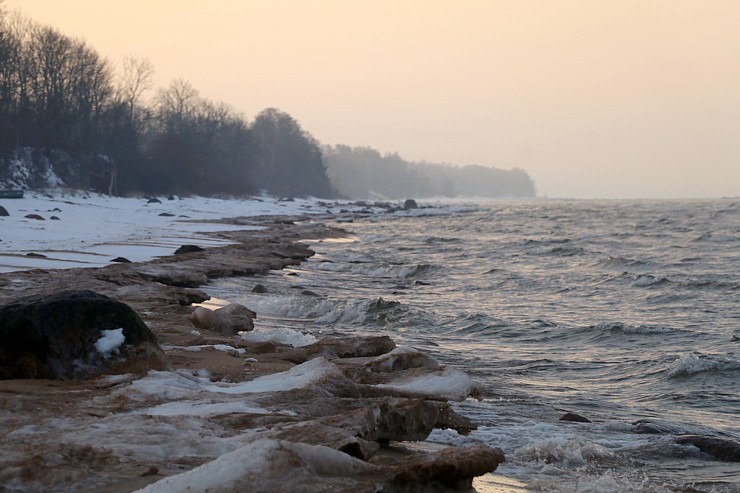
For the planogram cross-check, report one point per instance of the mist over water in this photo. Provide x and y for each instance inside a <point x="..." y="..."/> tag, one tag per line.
<point x="625" y="312"/>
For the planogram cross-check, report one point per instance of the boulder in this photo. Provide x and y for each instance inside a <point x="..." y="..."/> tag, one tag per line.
<point x="188" y="249"/>
<point x="720" y="448"/>
<point x="3" y="211"/>
<point x="402" y="358"/>
<point x="451" y="468"/>
<point x="228" y="320"/>
<point x="573" y="417"/>
<point x="259" y="289"/>
<point x="34" y="216"/>
<point x="410" y="204"/>
<point x="74" y="335"/>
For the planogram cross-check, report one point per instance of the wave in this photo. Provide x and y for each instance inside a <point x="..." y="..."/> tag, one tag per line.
<point x="627" y="329"/>
<point x="690" y="364"/>
<point x="371" y="269"/>
<point x="479" y="324"/>
<point x="649" y="280"/>
<point x="618" y="262"/>
<point x="372" y="311"/>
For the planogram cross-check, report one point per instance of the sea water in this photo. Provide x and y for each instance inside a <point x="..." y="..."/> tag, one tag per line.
<point x="624" y="312"/>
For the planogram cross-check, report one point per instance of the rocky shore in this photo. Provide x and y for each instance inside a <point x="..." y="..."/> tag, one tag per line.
<point x="216" y="412"/>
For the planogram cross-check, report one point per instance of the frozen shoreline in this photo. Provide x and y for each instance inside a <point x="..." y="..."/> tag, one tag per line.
<point x="97" y="426"/>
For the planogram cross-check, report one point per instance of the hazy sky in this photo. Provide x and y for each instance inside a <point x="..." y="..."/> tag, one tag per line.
<point x="593" y="98"/>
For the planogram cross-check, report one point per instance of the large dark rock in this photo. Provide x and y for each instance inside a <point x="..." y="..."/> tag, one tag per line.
<point x="452" y="468"/>
<point x="74" y="334"/>
<point x="410" y="204"/>
<point x="576" y="418"/>
<point x="719" y="448"/>
<point x="4" y="211"/>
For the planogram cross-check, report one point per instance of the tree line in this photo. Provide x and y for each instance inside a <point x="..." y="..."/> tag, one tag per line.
<point x="68" y="104"/>
<point x="70" y="113"/>
<point x="365" y="173"/>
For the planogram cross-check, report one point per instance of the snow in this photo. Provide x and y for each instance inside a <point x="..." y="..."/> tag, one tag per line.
<point x="110" y="341"/>
<point x="93" y="229"/>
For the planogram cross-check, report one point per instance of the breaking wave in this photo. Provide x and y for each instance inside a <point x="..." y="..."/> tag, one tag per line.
<point x="690" y="364"/>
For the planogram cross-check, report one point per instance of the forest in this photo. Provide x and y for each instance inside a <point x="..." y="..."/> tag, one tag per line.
<point x="68" y="116"/>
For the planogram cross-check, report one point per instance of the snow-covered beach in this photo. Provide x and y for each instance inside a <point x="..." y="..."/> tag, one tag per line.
<point x="233" y="412"/>
<point x="88" y="230"/>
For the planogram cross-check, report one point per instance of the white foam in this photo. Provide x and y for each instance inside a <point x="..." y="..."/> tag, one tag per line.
<point x="692" y="363"/>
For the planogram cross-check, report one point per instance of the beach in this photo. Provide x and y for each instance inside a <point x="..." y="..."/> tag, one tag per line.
<point x="228" y="413"/>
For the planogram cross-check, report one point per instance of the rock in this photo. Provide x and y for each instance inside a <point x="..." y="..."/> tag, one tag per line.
<point x="153" y="200"/>
<point x="577" y="418"/>
<point x="402" y="358"/>
<point x="35" y="255"/>
<point x="122" y="260"/>
<point x="34" y="216"/>
<point x="268" y="465"/>
<point x="410" y="204"/>
<point x="259" y="289"/>
<point x="346" y="347"/>
<point x="74" y="334"/>
<point x="3" y="211"/>
<point x="189" y="249"/>
<point x="166" y="214"/>
<point x="451" y="468"/>
<point x="54" y="218"/>
<point x="719" y="448"/>
<point x="228" y="320"/>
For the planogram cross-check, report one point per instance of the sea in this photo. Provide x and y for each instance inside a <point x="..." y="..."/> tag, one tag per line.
<point x="626" y="313"/>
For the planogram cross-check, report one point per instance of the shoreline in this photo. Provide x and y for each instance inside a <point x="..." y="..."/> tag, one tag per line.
<point x="163" y="292"/>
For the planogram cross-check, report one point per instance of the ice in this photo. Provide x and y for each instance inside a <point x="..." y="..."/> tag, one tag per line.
<point x="201" y="409"/>
<point x="280" y="335"/>
<point x="261" y="463"/>
<point x="448" y="383"/>
<point x="181" y="385"/>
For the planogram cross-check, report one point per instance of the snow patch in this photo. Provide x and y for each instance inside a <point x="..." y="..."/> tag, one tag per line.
<point x="110" y="341"/>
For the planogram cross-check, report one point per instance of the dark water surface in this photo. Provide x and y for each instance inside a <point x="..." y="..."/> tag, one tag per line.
<point x="625" y="312"/>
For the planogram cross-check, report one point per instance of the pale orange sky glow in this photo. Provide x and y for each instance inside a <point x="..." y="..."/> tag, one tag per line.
<point x="594" y="99"/>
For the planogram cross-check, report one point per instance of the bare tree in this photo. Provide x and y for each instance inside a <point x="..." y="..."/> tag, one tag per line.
<point x="177" y="106"/>
<point x="136" y="79"/>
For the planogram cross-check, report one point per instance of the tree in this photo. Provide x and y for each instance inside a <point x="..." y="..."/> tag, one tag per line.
<point x="288" y="160"/>
<point x="136" y="79"/>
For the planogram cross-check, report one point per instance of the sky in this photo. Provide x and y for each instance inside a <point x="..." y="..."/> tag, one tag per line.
<point x="594" y="99"/>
